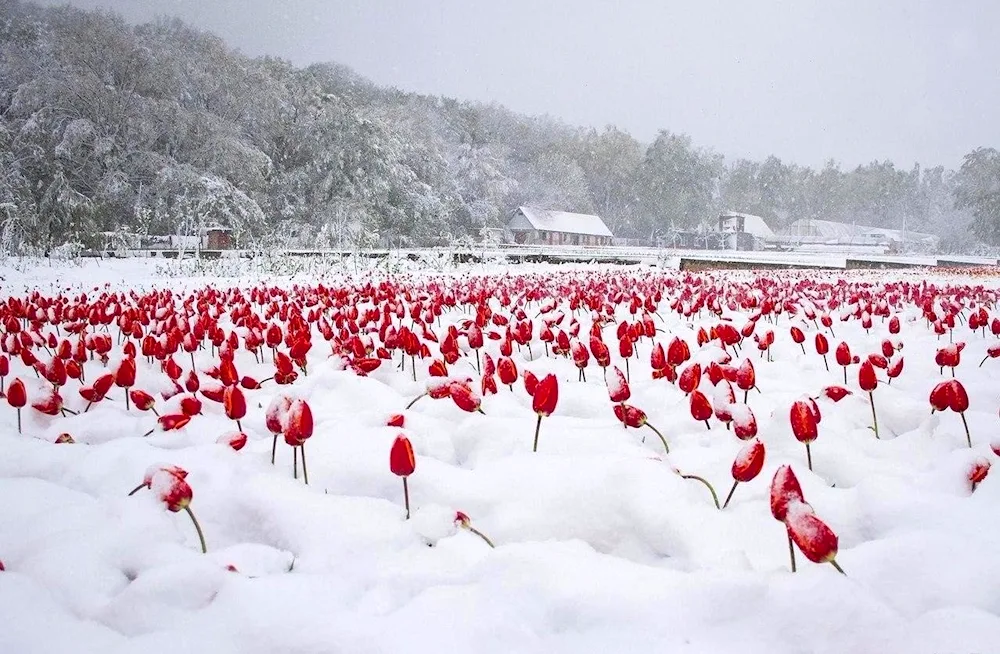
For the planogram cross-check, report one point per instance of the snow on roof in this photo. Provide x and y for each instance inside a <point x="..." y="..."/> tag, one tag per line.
<point x="558" y="221"/>
<point x="752" y="224"/>
<point x="834" y="230"/>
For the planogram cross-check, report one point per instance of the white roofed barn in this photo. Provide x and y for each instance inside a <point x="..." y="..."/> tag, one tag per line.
<point x="532" y="226"/>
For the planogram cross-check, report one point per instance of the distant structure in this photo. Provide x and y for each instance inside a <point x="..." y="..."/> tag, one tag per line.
<point x="533" y="226"/>
<point x="217" y="237"/>
<point x="809" y="231"/>
<point x="743" y="231"/>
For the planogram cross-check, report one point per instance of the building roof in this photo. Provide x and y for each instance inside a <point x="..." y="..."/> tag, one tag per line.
<point x="752" y="224"/>
<point x="828" y="229"/>
<point x="526" y="218"/>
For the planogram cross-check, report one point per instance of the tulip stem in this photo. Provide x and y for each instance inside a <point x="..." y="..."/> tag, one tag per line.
<point x="137" y="489"/>
<point x="968" y="437"/>
<point x="305" y="473"/>
<point x="406" y="497"/>
<point x="709" y="425"/>
<point x="834" y="563"/>
<point x="809" y="456"/>
<point x="482" y="535"/>
<point x="128" y="407"/>
<point x="19" y="420"/>
<point x="984" y="360"/>
<point x="871" y="396"/>
<point x="197" y="527"/>
<point x="628" y="377"/>
<point x="538" y="425"/>
<point x="845" y="375"/>
<point x="239" y="426"/>
<point x="666" y="448"/>
<point x="274" y="448"/>
<point x="711" y="489"/>
<point x="826" y="363"/>
<point x="414" y="400"/>
<point x="295" y="462"/>
<point x="791" y="552"/>
<point x="730" y="496"/>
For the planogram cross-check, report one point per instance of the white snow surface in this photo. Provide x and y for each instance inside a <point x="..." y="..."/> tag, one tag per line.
<point x="601" y="546"/>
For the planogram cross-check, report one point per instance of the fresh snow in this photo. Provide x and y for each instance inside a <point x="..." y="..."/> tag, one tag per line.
<point x="601" y="546"/>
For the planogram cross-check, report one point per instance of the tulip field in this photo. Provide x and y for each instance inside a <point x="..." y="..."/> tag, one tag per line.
<point x="529" y="458"/>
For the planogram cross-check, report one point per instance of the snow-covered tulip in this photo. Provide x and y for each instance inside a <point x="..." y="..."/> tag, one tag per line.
<point x="978" y="471"/>
<point x="746" y="378"/>
<point x="236" y="440"/>
<point x="543" y="402"/>
<point x="274" y="419"/>
<point x="176" y="495"/>
<point x="635" y="417"/>
<point x="402" y="463"/>
<point x="464" y="522"/>
<point x="785" y="490"/>
<point x="464" y="397"/>
<point x="992" y="352"/>
<point x="618" y="387"/>
<point x="844" y="358"/>
<point x="581" y="357"/>
<point x="744" y="421"/>
<point x="804" y="425"/>
<point x="395" y="420"/>
<point x="689" y="378"/>
<point x="143" y="400"/>
<point x="297" y="428"/>
<point x="747" y="465"/>
<point x="799" y="338"/>
<point x="65" y="439"/>
<point x="812" y="536"/>
<point x="190" y="406"/>
<point x="836" y="393"/>
<point x="17" y="398"/>
<point x="170" y="422"/>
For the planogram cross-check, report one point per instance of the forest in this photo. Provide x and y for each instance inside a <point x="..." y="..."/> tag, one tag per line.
<point x="162" y="128"/>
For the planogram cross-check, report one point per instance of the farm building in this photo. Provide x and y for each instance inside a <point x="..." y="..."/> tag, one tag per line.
<point x="827" y="232"/>
<point x="532" y="226"/>
<point x="744" y="231"/>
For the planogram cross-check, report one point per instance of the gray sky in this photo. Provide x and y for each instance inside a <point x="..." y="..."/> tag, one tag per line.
<point x="851" y="80"/>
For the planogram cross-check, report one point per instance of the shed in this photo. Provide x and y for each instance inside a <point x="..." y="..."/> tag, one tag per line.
<point x="218" y="237"/>
<point x="533" y="226"/>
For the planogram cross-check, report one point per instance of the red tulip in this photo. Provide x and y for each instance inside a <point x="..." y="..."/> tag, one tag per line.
<point x="274" y="419"/>
<point x="812" y="536"/>
<point x="297" y="429"/>
<point x="744" y="422"/>
<point x="689" y="378"/>
<point x="236" y="440"/>
<point x="747" y="465"/>
<point x="701" y="409"/>
<point x="635" y="417"/>
<point x="978" y="471"/>
<point x="895" y="369"/>
<point x="894" y="325"/>
<point x="17" y="397"/>
<point x="143" y="400"/>
<point x="618" y="388"/>
<point x="170" y="422"/>
<point x="836" y="393"/>
<point x="191" y="406"/>
<point x="395" y="420"/>
<point x="785" y="489"/>
<point x="804" y="425"/>
<point x="176" y="494"/>
<point x="507" y="372"/>
<point x="530" y="382"/>
<point x="544" y="401"/>
<point x="234" y="404"/>
<point x="799" y="338"/>
<point x="464" y="397"/>
<point x="868" y="382"/>
<point x="402" y="463"/>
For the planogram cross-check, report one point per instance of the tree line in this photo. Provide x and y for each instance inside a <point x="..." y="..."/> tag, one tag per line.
<point x="161" y="128"/>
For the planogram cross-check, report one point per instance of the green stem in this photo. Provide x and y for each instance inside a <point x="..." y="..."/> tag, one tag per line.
<point x="305" y="473"/>
<point x="711" y="489"/>
<point x="406" y="497"/>
<point x="730" y="496"/>
<point x="274" y="448"/>
<point x="295" y="462"/>
<point x="482" y="535"/>
<point x="968" y="437"/>
<point x="809" y="456"/>
<point x="538" y="425"/>
<point x="791" y="552"/>
<point x="137" y="489"/>
<point x="666" y="448"/>
<point x="414" y="401"/>
<point x="871" y="396"/>
<point x="201" y="536"/>
<point x="834" y="563"/>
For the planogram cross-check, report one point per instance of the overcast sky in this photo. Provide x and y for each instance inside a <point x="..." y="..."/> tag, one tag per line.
<point x="850" y="80"/>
